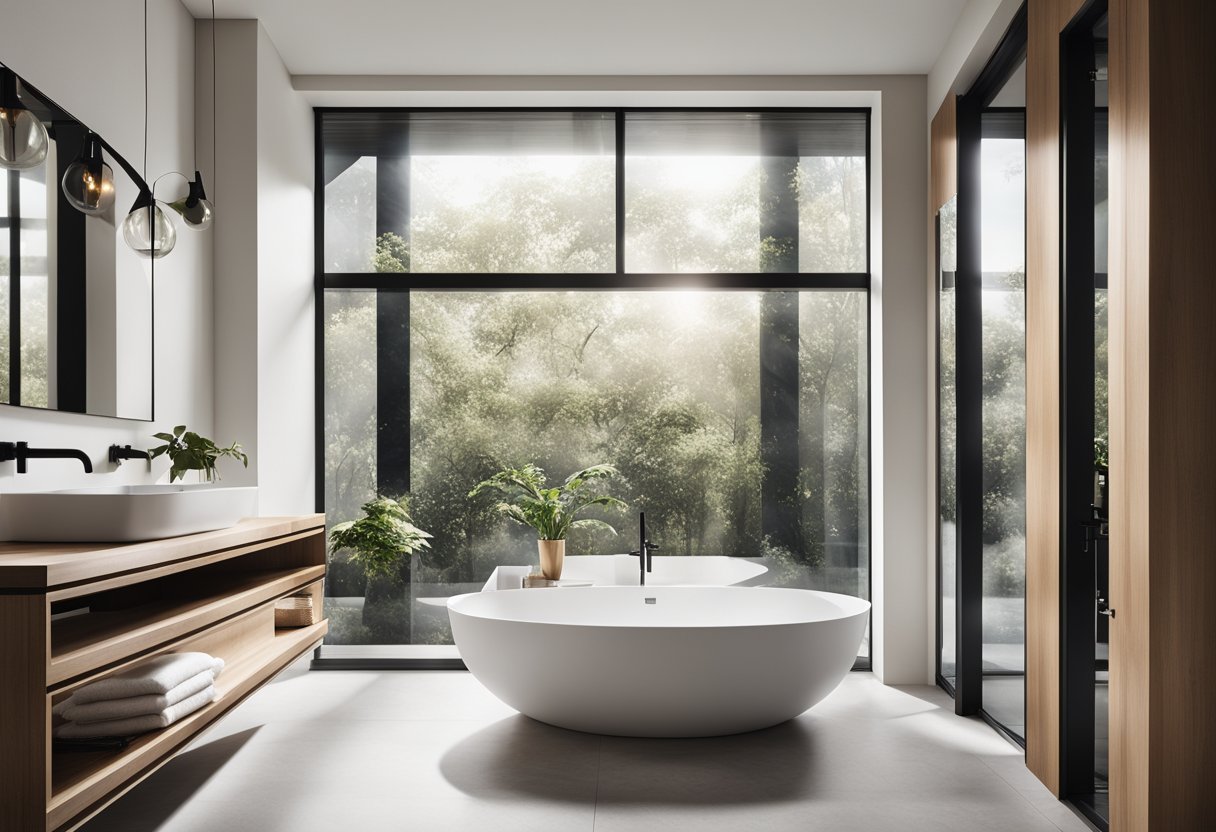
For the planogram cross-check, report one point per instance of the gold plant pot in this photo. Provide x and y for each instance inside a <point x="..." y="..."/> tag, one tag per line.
<point x="552" y="553"/>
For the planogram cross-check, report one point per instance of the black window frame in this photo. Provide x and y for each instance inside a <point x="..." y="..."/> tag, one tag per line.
<point x="393" y="349"/>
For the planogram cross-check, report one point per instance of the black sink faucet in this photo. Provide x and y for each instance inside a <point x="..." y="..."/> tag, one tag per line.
<point x="121" y="452"/>
<point x="21" y="451"/>
<point x="644" y="552"/>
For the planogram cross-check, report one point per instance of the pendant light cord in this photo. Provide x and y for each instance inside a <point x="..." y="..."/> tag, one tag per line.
<point x="214" y="96"/>
<point x="152" y="207"/>
<point x="145" y="170"/>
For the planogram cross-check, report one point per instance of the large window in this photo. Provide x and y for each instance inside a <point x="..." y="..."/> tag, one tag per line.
<point x="683" y="295"/>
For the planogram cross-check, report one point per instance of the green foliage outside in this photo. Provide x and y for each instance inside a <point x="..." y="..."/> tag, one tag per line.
<point x="188" y="451"/>
<point x="392" y="254"/>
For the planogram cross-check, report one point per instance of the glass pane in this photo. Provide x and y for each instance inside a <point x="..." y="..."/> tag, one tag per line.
<point x="567" y="379"/>
<point x="350" y="218"/>
<point x="350" y="445"/>
<point x="1003" y="246"/>
<point x="745" y="192"/>
<point x="484" y="192"/>
<point x="33" y="194"/>
<point x="34" y="341"/>
<point x="947" y="220"/>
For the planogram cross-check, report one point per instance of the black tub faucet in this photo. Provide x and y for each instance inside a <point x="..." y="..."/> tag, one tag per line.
<point x="21" y="451"/>
<point x="644" y="552"/>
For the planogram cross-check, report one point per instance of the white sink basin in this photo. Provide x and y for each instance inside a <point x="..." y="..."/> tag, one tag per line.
<point x="122" y="513"/>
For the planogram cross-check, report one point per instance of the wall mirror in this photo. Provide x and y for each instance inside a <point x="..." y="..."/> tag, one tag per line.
<point x="75" y="302"/>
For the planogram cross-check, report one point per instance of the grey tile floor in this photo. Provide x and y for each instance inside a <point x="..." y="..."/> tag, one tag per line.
<point x="351" y="751"/>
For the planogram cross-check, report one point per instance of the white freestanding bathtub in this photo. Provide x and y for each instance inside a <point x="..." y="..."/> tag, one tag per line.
<point x="659" y="661"/>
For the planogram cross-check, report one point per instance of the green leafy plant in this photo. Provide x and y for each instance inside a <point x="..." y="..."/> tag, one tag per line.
<point x="379" y="538"/>
<point x="552" y="512"/>
<point x="190" y="452"/>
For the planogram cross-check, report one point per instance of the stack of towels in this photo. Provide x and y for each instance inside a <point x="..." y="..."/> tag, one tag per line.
<point x="148" y="696"/>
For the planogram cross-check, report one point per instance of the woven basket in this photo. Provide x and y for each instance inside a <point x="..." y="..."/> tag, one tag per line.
<point x="294" y="611"/>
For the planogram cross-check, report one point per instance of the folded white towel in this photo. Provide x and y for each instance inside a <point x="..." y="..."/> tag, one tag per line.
<point x="137" y="724"/>
<point x="130" y="706"/>
<point x="158" y="675"/>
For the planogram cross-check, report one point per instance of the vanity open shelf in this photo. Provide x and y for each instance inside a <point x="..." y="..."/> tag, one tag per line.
<point x="73" y="614"/>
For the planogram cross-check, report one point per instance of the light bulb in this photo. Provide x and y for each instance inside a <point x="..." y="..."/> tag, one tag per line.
<point x="88" y="182"/>
<point x="23" y="139"/>
<point x="196" y="210"/>
<point x="147" y="230"/>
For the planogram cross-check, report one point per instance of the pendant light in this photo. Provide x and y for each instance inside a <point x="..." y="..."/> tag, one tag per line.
<point x="88" y="182"/>
<point x="146" y="229"/>
<point x="196" y="210"/>
<point x="23" y="139"/>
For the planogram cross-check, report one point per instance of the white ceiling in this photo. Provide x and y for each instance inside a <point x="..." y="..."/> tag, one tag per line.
<point x="609" y="37"/>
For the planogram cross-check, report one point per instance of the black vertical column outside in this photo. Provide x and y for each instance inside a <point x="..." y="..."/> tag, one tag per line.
<point x="779" y="330"/>
<point x="382" y="606"/>
<point x="71" y="280"/>
<point x="969" y="427"/>
<point x="392" y="338"/>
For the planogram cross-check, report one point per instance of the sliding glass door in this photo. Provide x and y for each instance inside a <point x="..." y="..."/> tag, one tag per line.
<point x="982" y="399"/>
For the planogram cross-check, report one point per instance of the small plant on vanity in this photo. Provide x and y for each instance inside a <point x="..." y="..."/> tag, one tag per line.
<point x="190" y="452"/>
<point x="551" y="511"/>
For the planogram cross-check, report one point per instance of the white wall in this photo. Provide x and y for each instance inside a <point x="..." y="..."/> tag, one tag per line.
<point x="286" y="334"/>
<point x="95" y="71"/>
<point x="264" y="261"/>
<point x="899" y="305"/>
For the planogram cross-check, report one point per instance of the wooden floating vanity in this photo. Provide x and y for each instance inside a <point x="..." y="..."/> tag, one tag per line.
<point x="71" y="614"/>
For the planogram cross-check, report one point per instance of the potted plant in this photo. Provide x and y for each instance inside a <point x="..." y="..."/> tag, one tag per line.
<point x="377" y="543"/>
<point x="551" y="511"/>
<point x="190" y="452"/>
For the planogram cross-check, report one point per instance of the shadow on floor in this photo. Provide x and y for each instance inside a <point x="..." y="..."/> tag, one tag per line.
<point x="520" y="755"/>
<point x="154" y="801"/>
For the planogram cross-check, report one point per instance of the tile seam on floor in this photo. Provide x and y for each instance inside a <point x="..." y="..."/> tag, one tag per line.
<point x="599" y="767"/>
<point x="1022" y="794"/>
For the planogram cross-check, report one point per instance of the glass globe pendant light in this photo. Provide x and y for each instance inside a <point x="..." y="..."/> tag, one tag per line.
<point x="23" y="139"/>
<point x="88" y="182"/>
<point x="196" y="210"/>
<point x="147" y="230"/>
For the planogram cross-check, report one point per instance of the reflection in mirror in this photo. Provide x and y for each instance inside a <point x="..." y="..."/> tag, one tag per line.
<point x="75" y="305"/>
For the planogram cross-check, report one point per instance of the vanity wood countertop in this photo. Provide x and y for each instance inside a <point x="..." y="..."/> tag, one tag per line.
<point x="49" y="566"/>
<point x="75" y="613"/>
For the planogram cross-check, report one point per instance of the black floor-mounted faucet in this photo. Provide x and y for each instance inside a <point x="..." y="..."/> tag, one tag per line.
<point x="21" y="451"/>
<point x="644" y="551"/>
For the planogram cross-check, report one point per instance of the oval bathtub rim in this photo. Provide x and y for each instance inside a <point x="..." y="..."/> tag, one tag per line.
<point x="845" y="616"/>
